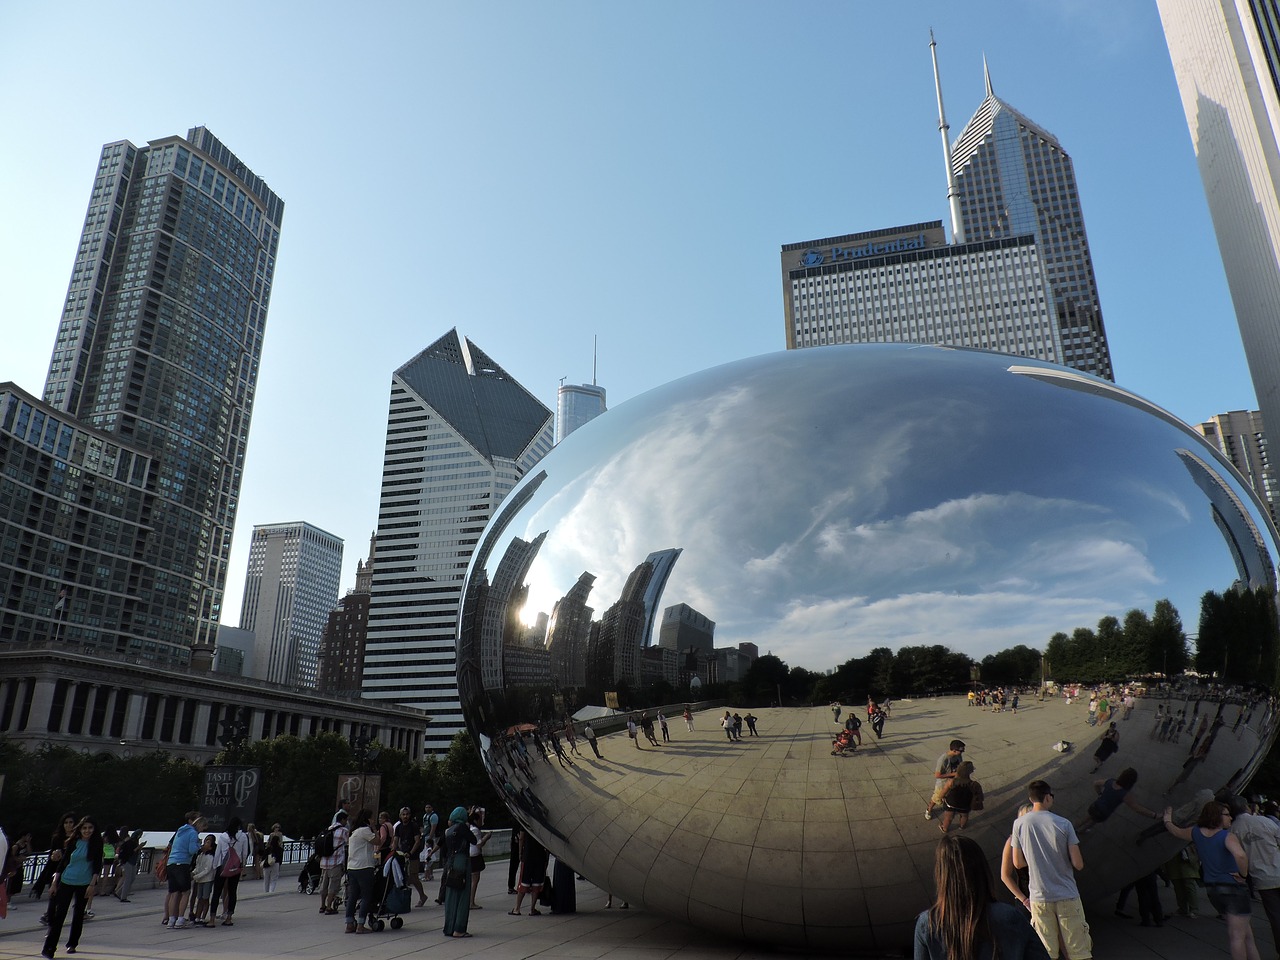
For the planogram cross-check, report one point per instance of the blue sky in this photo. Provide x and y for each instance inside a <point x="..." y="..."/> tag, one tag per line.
<point x="541" y="174"/>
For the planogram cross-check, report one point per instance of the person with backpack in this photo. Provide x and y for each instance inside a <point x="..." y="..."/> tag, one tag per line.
<point x="331" y="847"/>
<point x="230" y="859"/>
<point x="431" y="842"/>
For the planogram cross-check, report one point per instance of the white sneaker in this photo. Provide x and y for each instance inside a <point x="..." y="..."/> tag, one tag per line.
<point x="180" y="923"/>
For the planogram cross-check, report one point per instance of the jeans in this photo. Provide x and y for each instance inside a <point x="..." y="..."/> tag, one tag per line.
<point x="360" y="886"/>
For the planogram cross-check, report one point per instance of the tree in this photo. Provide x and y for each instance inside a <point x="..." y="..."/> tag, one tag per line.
<point x="1016" y="666"/>
<point x="764" y="677"/>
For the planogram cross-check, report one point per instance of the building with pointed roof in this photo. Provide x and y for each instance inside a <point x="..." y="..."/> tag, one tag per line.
<point x="1015" y="278"/>
<point x="1015" y="179"/>
<point x="461" y="432"/>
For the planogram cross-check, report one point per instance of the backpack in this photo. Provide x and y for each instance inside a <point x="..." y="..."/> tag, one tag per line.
<point x="232" y="866"/>
<point x="325" y="845"/>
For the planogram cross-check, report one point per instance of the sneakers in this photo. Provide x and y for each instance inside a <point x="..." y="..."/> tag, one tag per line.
<point x="89" y="914"/>
<point x="928" y="813"/>
<point x="180" y="922"/>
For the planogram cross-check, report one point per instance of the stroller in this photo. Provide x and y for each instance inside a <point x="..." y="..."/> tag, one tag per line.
<point x="395" y="899"/>
<point x="309" y="878"/>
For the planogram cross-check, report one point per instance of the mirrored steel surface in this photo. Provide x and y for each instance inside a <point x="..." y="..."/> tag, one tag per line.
<point x="818" y="504"/>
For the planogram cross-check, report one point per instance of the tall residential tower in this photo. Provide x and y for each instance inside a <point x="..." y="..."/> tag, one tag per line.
<point x="1226" y="57"/>
<point x="158" y="346"/>
<point x="460" y="434"/>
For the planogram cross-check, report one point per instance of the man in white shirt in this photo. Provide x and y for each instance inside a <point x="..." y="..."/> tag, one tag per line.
<point x="1047" y="846"/>
<point x="1261" y="839"/>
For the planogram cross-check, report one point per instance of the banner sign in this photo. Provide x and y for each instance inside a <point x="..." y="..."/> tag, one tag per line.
<point x="229" y="792"/>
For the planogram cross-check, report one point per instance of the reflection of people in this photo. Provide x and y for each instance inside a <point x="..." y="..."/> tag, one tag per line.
<point x="946" y="768"/>
<point x="1011" y="876"/>
<point x="1226" y="870"/>
<point x="961" y="795"/>
<point x="965" y="921"/>
<point x="1108" y="745"/>
<point x="1111" y="794"/>
<point x="751" y="724"/>
<point x="688" y="718"/>
<point x="1047" y="845"/>
<point x="1260" y="837"/>
<point x="590" y="734"/>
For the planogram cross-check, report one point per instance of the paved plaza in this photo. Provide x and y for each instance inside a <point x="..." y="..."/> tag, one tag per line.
<point x="897" y="772"/>
<point x="286" y="924"/>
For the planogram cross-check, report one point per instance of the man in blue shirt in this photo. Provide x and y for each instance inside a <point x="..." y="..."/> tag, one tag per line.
<point x="182" y="850"/>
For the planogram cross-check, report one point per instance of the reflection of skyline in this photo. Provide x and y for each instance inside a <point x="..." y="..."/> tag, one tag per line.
<point x="978" y="510"/>
<point x="1245" y="543"/>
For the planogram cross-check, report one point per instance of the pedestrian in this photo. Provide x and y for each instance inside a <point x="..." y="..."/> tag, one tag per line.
<point x="258" y="846"/>
<point x="455" y="864"/>
<point x="430" y="844"/>
<point x="751" y="724"/>
<point x="202" y="882"/>
<point x="571" y="735"/>
<point x="1226" y="872"/>
<point x="633" y="731"/>
<point x="646" y="724"/>
<point x="966" y="921"/>
<point x="662" y="723"/>
<point x="1047" y="846"/>
<point x="182" y="850"/>
<point x="1260" y="837"/>
<point x="78" y="869"/>
<point x="1111" y="795"/>
<point x="274" y="847"/>
<point x="962" y="795"/>
<point x="361" y="848"/>
<point x="877" y="721"/>
<point x="944" y="771"/>
<point x="737" y="726"/>
<point x="1183" y="871"/>
<point x="64" y="831"/>
<point x="727" y="722"/>
<point x="835" y="710"/>
<point x="334" y="864"/>
<point x="688" y="718"/>
<point x="1014" y="702"/>
<point x="475" y="850"/>
<point x="229" y="865"/>
<point x="127" y="856"/>
<point x="533" y="874"/>
<point x="590" y="734"/>
<point x="854" y="726"/>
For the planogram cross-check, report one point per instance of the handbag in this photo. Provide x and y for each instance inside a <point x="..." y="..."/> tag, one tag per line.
<point x="455" y="878"/>
<point x="161" y="869"/>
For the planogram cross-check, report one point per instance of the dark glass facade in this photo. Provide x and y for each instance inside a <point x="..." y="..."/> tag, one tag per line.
<point x="75" y="510"/>
<point x="159" y="345"/>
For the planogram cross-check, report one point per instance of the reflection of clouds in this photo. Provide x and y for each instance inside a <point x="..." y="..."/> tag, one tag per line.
<point x="826" y="632"/>
<point x="1164" y="495"/>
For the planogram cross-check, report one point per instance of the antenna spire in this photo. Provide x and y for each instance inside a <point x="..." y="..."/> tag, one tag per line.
<point x="986" y="74"/>
<point x="953" y="190"/>
<point x="594" y="338"/>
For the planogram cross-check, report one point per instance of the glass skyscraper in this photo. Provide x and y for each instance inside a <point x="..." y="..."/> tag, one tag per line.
<point x="1015" y="179"/>
<point x="159" y="345"/>
<point x="577" y="404"/>
<point x="1226" y="57"/>
<point x="461" y="432"/>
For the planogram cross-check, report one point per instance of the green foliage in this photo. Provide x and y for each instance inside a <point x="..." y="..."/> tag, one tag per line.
<point x="1140" y="645"/>
<point x="1239" y="638"/>
<point x="152" y="791"/>
<point x="1017" y="666"/>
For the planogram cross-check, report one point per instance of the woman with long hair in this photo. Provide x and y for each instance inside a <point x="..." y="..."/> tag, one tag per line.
<point x="966" y="922"/>
<point x="274" y="848"/>
<point x="232" y="855"/>
<point x="1226" y="872"/>
<point x="65" y="829"/>
<point x="78" y="869"/>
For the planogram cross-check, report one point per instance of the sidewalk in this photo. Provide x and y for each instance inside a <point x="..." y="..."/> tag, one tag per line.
<point x="286" y="924"/>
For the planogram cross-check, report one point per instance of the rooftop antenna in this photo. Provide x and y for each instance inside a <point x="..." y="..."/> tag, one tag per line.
<point x="594" y="338"/>
<point x="953" y="191"/>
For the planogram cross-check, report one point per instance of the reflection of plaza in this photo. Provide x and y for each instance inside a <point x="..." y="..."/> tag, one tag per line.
<point x="775" y="829"/>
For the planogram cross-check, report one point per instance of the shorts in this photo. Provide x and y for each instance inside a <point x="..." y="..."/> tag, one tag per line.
<point x="202" y="890"/>
<point x="1097" y="814"/>
<point x="411" y="867"/>
<point x="1062" y="922"/>
<point x="939" y="788"/>
<point x="477" y="864"/>
<point x="179" y="877"/>
<point x="1231" y="899"/>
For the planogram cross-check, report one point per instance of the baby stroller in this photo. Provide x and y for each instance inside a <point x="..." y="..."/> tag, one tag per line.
<point x="309" y="878"/>
<point x="396" y="897"/>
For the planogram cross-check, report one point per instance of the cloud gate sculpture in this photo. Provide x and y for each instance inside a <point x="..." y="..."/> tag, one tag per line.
<point x="818" y="504"/>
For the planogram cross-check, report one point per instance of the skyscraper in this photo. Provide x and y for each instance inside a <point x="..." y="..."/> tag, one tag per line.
<point x="577" y="404"/>
<point x="460" y="434"/>
<point x="1016" y="278"/>
<point x="1226" y="59"/>
<point x="291" y="585"/>
<point x="1015" y="179"/>
<point x="159" y="344"/>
